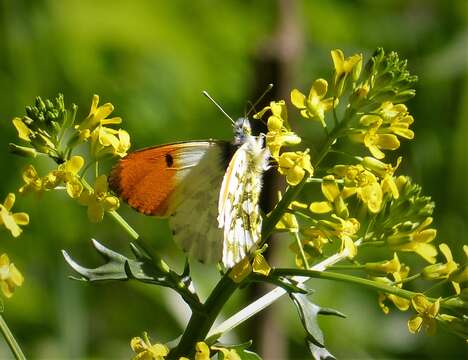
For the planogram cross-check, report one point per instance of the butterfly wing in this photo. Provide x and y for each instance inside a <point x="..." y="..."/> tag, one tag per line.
<point x="238" y="208"/>
<point x="193" y="223"/>
<point x="180" y="181"/>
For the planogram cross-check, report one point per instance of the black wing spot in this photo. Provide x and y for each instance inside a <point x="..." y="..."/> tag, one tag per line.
<point x="169" y="160"/>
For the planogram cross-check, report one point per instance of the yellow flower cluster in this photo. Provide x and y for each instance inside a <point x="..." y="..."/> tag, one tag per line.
<point x="380" y="131"/>
<point x="98" y="200"/>
<point x="103" y="139"/>
<point x="66" y="173"/>
<point x="294" y="165"/>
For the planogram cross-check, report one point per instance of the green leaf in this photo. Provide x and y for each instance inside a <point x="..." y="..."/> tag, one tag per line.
<point x="113" y="269"/>
<point x="319" y="353"/>
<point x="308" y="312"/>
<point x="144" y="268"/>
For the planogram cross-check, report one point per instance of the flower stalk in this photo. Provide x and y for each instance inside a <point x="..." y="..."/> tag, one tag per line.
<point x="10" y="340"/>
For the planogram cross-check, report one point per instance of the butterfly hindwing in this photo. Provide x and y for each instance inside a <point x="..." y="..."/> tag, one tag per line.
<point x="194" y="222"/>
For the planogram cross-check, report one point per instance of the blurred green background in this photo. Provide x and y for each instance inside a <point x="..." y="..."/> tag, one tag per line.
<point x="152" y="59"/>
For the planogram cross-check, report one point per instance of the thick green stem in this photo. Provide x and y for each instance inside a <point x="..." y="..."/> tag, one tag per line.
<point x="201" y="321"/>
<point x="10" y="339"/>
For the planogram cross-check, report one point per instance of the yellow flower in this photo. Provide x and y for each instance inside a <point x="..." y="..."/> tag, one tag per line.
<point x="426" y="315"/>
<point x="260" y="265"/>
<point x="12" y="221"/>
<point x="461" y="275"/>
<point x="279" y="133"/>
<point x="32" y="181"/>
<point x="401" y="303"/>
<point x="146" y="351"/>
<point x="343" y="67"/>
<point x="449" y="270"/>
<point x="10" y="277"/>
<point x="386" y="267"/>
<point x="315" y="239"/>
<point x="441" y="271"/>
<point x="314" y="106"/>
<point x="363" y="183"/>
<point x="416" y="240"/>
<point x="376" y="141"/>
<point x="288" y="221"/>
<point x="98" y="200"/>
<point x="68" y="173"/>
<point x="380" y="130"/>
<point x="334" y="196"/>
<point x="241" y="270"/>
<point x="24" y="132"/>
<point x="397" y="119"/>
<point x="228" y="354"/>
<point x="106" y="141"/>
<point x="345" y="230"/>
<point x="202" y="351"/>
<point x="97" y="116"/>
<point x="295" y="165"/>
<point x="385" y="172"/>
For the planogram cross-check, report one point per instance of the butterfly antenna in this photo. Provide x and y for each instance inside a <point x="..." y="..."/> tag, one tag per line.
<point x="218" y="106"/>
<point x="267" y="90"/>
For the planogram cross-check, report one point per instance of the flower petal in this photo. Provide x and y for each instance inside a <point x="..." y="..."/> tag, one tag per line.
<point x="298" y="99"/>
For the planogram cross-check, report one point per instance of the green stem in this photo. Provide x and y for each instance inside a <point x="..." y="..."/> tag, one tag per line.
<point x="10" y="339"/>
<point x="201" y="321"/>
<point x="346" y="267"/>
<point x="408" y="279"/>
<point x="348" y="279"/>
<point x="301" y="251"/>
<point x="125" y="225"/>
<point x="334" y="134"/>
<point x="436" y="285"/>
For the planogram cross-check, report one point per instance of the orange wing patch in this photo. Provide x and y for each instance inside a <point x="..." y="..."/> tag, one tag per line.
<point x="147" y="178"/>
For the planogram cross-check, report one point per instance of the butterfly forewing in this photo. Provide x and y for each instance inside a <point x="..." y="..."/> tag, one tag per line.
<point x="182" y="181"/>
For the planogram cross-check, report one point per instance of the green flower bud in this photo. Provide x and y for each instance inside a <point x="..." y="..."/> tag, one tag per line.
<point x="24" y="151"/>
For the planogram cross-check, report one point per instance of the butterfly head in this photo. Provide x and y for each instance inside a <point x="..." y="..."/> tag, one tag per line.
<point x="242" y="130"/>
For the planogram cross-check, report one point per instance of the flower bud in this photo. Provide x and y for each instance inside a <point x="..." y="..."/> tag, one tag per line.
<point x="24" y="151"/>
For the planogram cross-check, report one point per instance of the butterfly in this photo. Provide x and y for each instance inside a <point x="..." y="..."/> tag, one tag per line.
<point x="208" y="189"/>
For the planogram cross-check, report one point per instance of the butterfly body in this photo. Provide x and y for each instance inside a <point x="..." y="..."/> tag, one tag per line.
<point x="209" y="190"/>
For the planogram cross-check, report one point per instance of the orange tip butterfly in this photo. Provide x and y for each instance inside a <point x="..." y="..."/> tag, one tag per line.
<point x="208" y="189"/>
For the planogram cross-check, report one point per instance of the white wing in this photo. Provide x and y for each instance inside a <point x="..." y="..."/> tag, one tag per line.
<point x="193" y="217"/>
<point x="238" y="209"/>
